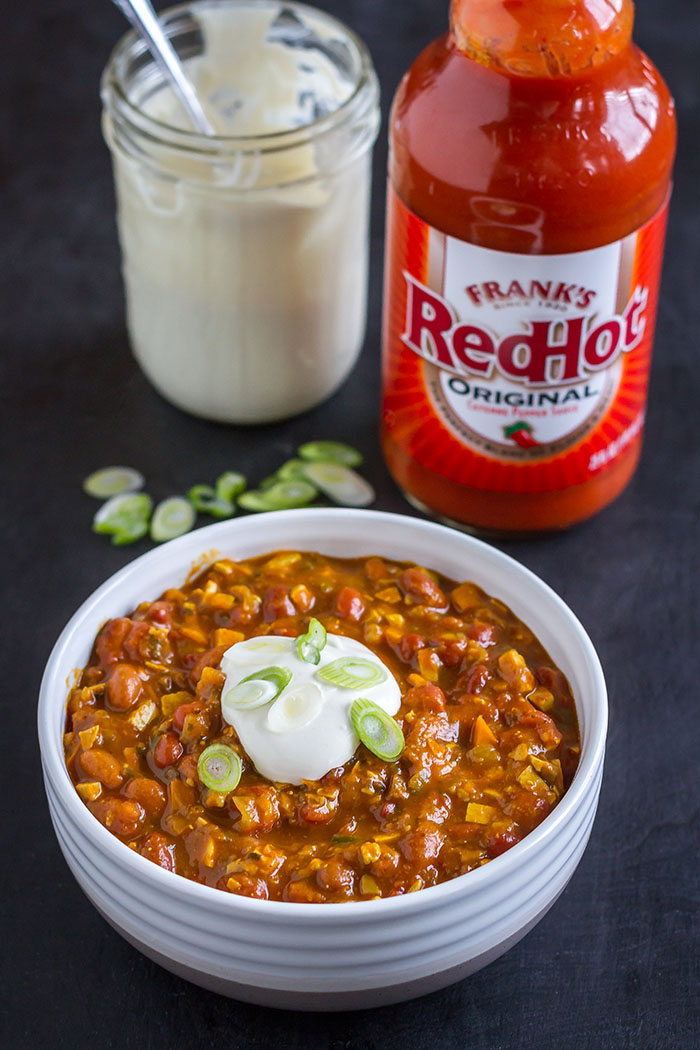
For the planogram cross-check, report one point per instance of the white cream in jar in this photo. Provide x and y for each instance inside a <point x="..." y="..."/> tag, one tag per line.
<point x="307" y="729"/>
<point x="245" y="255"/>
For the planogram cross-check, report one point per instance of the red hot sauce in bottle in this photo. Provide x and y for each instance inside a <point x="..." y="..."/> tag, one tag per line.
<point x="529" y="177"/>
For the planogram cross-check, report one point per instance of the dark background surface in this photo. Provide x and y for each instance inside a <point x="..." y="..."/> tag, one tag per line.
<point x="616" y="962"/>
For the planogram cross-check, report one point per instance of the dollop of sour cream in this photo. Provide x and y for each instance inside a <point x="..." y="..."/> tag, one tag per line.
<point x="307" y="729"/>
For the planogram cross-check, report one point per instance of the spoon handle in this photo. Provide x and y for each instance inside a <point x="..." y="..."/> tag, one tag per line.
<point x="144" y="20"/>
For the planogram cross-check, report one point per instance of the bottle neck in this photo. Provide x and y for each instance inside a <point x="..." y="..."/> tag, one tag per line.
<point x="541" y="38"/>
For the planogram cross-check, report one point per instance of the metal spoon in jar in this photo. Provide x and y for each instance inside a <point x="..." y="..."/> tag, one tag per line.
<point x="144" y="20"/>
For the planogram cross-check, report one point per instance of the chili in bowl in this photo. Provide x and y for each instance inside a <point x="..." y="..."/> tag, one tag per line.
<point x="351" y="765"/>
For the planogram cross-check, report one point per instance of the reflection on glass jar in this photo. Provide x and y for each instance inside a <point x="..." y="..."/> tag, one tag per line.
<point x="245" y="253"/>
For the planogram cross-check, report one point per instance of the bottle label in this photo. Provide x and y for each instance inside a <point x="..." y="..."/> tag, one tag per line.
<point x="512" y="372"/>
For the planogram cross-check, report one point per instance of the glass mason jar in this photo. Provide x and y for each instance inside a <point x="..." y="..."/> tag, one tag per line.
<point x="245" y="254"/>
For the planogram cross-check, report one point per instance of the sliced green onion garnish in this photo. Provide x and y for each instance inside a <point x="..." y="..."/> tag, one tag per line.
<point x="248" y="695"/>
<point x="204" y="499"/>
<point x="282" y="496"/>
<point x="377" y="730"/>
<point x="352" y="672"/>
<point x="340" y="484"/>
<point x="113" y="481"/>
<point x="230" y="485"/>
<point x="125" y="518"/>
<point x="309" y="645"/>
<point x="219" y="768"/>
<point x="279" y="676"/>
<point x="331" y="452"/>
<point x="295" y="709"/>
<point x="172" y="517"/>
<point x="263" y="644"/>
<point x="257" y="689"/>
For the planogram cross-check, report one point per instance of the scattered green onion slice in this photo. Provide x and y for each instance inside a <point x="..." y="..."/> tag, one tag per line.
<point x="352" y="672"/>
<point x="124" y="517"/>
<point x="309" y="645"/>
<point x="292" y="470"/>
<point x="331" y="452"/>
<point x="204" y="499"/>
<point x="229" y="485"/>
<point x="172" y="517"/>
<point x="130" y="535"/>
<point x="255" y="500"/>
<point x="200" y="496"/>
<point x="288" y="494"/>
<point x="377" y="730"/>
<point x="340" y="484"/>
<point x="221" y="508"/>
<point x="284" y="495"/>
<point x="113" y="481"/>
<point x="257" y="689"/>
<point x="219" y="768"/>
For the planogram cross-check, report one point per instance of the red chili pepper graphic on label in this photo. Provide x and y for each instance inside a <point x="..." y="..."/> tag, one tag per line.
<point x="521" y="434"/>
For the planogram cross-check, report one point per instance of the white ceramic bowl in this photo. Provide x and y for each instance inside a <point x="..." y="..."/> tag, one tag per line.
<point x="329" y="956"/>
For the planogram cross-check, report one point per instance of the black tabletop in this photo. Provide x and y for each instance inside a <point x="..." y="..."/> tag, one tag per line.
<point x="616" y="961"/>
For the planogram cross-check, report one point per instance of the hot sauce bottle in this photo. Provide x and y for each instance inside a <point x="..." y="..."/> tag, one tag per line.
<point x="531" y="151"/>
